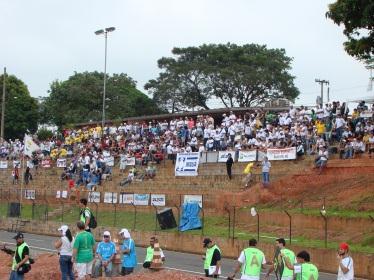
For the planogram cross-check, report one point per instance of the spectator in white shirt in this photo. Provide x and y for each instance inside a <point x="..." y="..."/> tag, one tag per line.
<point x="345" y="262"/>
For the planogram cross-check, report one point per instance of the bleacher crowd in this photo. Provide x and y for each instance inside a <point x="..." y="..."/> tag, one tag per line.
<point x="312" y="131"/>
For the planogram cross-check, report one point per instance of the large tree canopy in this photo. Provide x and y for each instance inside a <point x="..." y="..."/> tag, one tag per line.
<point x="79" y="99"/>
<point x="242" y="76"/>
<point x="21" y="110"/>
<point x="357" y="16"/>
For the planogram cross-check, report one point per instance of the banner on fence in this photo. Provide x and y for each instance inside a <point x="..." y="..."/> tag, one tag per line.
<point x="3" y="164"/>
<point x="281" y="154"/>
<point x="46" y="163"/>
<point x="130" y="161"/>
<point x="187" y="164"/>
<point x="61" y="162"/>
<point x="141" y="199"/>
<point x="223" y="155"/>
<point x="246" y="156"/>
<point x="30" y="194"/>
<point x="193" y="198"/>
<point x="158" y="199"/>
<point x="126" y="198"/>
<point x="110" y="197"/>
<point x="94" y="197"/>
<point x="109" y="161"/>
<point x="16" y="163"/>
<point x="62" y="194"/>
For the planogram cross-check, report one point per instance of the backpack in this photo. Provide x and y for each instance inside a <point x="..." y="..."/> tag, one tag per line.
<point x="93" y="222"/>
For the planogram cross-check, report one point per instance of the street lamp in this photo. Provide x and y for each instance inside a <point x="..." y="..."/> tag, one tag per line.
<point x="254" y="213"/>
<point x="105" y="32"/>
<point x="323" y="214"/>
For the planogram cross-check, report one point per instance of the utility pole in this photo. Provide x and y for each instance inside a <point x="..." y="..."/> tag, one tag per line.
<point x="322" y="82"/>
<point x="3" y="107"/>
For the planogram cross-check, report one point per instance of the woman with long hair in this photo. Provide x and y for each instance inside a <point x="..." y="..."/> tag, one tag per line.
<point x="65" y="247"/>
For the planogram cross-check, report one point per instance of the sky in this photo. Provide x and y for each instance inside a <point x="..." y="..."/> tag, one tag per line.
<point x="44" y="40"/>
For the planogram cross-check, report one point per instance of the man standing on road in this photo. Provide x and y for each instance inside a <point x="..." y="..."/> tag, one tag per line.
<point x="85" y="214"/>
<point x="279" y="265"/>
<point x="212" y="259"/>
<point x="21" y="263"/>
<point x="345" y="261"/>
<point x="129" y="260"/>
<point x="229" y="163"/>
<point x="250" y="262"/>
<point x="303" y="269"/>
<point x="83" y="252"/>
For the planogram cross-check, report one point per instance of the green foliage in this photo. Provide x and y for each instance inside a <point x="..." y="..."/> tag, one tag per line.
<point x="242" y="76"/>
<point x="21" y="110"/>
<point x="44" y="134"/>
<point x="79" y="99"/>
<point x="357" y="17"/>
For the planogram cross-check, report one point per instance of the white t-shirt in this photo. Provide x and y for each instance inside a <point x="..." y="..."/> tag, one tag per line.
<point x="348" y="263"/>
<point x="241" y="259"/>
<point x="66" y="248"/>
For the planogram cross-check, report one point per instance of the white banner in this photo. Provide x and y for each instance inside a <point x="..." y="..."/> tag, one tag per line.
<point x="110" y="197"/>
<point x="46" y="163"/>
<point x="3" y="164"/>
<point x="58" y="194"/>
<point x="193" y="198"/>
<point x="187" y="164"/>
<point x="62" y="194"/>
<point x="246" y="156"/>
<point x="281" y="154"/>
<point x="61" y="162"/>
<point x="94" y="197"/>
<point x="366" y="114"/>
<point x="141" y="199"/>
<point x="16" y="163"/>
<point x="158" y="199"/>
<point x="109" y="161"/>
<point x="223" y="155"/>
<point x="30" y="194"/>
<point x="126" y="198"/>
<point x="130" y="161"/>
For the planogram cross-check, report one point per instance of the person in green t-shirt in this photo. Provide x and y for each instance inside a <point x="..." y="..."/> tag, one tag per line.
<point x="283" y="272"/>
<point x="303" y="269"/>
<point x="83" y="251"/>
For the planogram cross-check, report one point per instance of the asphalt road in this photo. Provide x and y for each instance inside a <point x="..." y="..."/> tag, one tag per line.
<point x="174" y="260"/>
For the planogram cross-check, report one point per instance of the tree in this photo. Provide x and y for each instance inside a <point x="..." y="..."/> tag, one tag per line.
<point x="237" y="75"/>
<point x="21" y="110"/>
<point x="79" y="99"/>
<point x="357" y="16"/>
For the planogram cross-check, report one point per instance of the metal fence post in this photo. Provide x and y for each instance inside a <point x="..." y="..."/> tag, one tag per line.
<point x="290" y="224"/>
<point x="233" y="223"/>
<point x="115" y="215"/>
<point x="155" y="208"/>
<point x="229" y="228"/>
<point x="135" y="210"/>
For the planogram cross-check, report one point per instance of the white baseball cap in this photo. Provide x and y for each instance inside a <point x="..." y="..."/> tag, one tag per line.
<point x="107" y="233"/>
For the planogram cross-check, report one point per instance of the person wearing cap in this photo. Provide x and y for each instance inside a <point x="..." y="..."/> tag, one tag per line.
<point x="64" y="245"/>
<point x="105" y="253"/>
<point x="345" y="263"/>
<point x="250" y="262"/>
<point x="129" y="260"/>
<point x="303" y="269"/>
<point x="83" y="251"/>
<point x="286" y="273"/>
<point x="150" y="252"/>
<point x="21" y="262"/>
<point x="212" y="259"/>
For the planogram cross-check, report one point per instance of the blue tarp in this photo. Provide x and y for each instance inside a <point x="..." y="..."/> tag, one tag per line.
<point x="190" y="217"/>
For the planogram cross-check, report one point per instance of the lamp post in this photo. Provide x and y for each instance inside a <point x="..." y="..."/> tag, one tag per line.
<point x="324" y="216"/>
<point x="105" y="32"/>
<point x="255" y="213"/>
<point x="3" y="107"/>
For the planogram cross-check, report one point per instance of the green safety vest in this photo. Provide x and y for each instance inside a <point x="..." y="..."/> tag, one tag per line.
<point x="253" y="262"/>
<point x="19" y="252"/>
<point x="308" y="272"/>
<point x="149" y="255"/>
<point x="291" y="257"/>
<point x="209" y="256"/>
<point x="83" y="217"/>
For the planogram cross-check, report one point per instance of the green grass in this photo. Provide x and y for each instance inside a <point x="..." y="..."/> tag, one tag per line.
<point x="214" y="226"/>
<point x="27" y="211"/>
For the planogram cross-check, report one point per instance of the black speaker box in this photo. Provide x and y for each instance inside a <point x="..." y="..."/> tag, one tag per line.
<point x="14" y="210"/>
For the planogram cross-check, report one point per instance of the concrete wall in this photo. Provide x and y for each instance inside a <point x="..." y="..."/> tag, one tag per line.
<point x="325" y="259"/>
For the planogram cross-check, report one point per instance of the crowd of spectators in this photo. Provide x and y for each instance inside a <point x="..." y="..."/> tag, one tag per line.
<point x="311" y="131"/>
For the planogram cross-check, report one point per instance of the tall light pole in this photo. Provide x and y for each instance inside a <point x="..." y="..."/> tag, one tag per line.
<point x="3" y="107"/>
<point x="322" y="82"/>
<point x="105" y="32"/>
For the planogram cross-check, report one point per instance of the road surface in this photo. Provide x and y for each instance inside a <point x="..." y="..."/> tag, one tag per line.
<point x="189" y="263"/>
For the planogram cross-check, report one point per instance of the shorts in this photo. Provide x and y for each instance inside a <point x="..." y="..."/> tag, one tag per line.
<point x="84" y="269"/>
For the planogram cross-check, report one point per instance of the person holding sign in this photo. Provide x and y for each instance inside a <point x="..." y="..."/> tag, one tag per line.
<point x="250" y="262"/>
<point x="303" y="269"/>
<point x="212" y="259"/>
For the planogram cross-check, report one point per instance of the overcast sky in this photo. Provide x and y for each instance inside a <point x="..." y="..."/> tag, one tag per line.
<point x="44" y="40"/>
